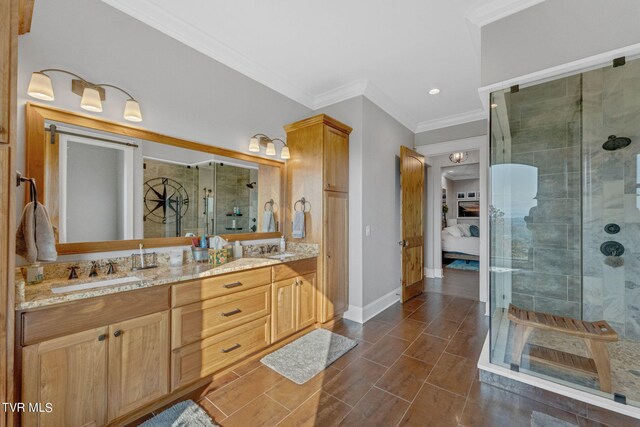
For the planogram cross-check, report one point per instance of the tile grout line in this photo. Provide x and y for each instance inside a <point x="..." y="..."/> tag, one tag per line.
<point x="216" y="406"/>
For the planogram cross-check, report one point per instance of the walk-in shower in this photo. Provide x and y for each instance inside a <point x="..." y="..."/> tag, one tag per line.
<point x="565" y="230"/>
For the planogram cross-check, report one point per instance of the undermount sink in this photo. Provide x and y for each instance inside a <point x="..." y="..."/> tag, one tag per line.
<point x="93" y="285"/>
<point x="282" y="256"/>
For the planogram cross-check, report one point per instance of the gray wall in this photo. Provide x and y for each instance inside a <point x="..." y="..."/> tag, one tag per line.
<point x="555" y="32"/>
<point x="451" y="133"/>
<point x="182" y="92"/>
<point x="383" y="136"/>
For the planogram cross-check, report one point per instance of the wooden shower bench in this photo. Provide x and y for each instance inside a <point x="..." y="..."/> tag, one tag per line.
<point x="596" y="335"/>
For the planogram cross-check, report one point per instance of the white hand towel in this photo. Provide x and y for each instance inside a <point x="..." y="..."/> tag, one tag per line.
<point x="298" y="225"/>
<point x="268" y="222"/>
<point x="35" y="240"/>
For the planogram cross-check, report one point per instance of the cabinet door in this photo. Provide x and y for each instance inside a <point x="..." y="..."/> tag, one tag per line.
<point x="138" y="362"/>
<point x="306" y="307"/>
<point x="336" y="160"/>
<point x="284" y="309"/>
<point x="70" y="373"/>
<point x="335" y="281"/>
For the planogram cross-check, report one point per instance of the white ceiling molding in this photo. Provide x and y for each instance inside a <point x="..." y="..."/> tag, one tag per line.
<point x="157" y="18"/>
<point x="339" y="94"/>
<point x="455" y="119"/>
<point x="498" y="9"/>
<point x="379" y="98"/>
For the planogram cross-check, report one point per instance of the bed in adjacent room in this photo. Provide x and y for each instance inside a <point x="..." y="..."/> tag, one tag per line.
<point x="461" y="241"/>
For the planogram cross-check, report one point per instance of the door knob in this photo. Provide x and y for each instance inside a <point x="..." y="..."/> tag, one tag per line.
<point x="403" y="243"/>
<point x="117" y="333"/>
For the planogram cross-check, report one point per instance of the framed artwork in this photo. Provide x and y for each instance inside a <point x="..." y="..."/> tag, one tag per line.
<point x="469" y="209"/>
<point x="471" y="195"/>
<point x="461" y="195"/>
<point x="444" y="194"/>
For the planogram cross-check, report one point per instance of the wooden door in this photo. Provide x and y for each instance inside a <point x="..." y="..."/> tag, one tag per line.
<point x="306" y="301"/>
<point x="138" y="362"/>
<point x="412" y="199"/>
<point x="70" y="373"/>
<point x="335" y="270"/>
<point x="336" y="160"/>
<point x="284" y="309"/>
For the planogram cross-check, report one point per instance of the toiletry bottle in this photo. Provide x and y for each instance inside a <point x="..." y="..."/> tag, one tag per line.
<point x="237" y="250"/>
<point x="283" y="245"/>
<point x="203" y="241"/>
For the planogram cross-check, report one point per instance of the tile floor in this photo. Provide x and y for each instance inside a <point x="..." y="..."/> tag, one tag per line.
<point x="414" y="365"/>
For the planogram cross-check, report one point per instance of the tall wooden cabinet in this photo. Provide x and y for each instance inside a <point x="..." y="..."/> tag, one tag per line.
<point x="319" y="171"/>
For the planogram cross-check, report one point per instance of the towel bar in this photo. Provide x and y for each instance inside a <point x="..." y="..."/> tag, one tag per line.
<point x="303" y="203"/>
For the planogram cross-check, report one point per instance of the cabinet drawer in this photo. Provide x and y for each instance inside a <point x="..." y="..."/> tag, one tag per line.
<point x="200" y="290"/>
<point x="294" y="269"/>
<point x="205" y="357"/>
<point x="200" y="320"/>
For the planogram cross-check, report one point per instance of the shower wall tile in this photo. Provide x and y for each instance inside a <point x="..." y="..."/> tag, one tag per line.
<point x="556" y="261"/>
<point x="613" y="194"/>
<point x="593" y="300"/>
<point x="562" y="211"/>
<point x="550" y="235"/>
<point x="574" y="289"/>
<point x="539" y="138"/>
<point x="554" y="286"/>
<point x="523" y="301"/>
<point x="632" y="321"/>
<point x="559" y="186"/>
<point x="556" y="306"/>
<point x="557" y="161"/>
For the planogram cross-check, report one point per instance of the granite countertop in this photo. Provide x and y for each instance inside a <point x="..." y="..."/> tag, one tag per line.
<point x="41" y="294"/>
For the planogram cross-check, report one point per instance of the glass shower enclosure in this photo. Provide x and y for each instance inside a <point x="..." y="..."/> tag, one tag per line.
<point x="565" y="230"/>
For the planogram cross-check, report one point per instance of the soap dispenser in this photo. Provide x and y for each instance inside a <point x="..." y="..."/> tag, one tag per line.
<point x="283" y="245"/>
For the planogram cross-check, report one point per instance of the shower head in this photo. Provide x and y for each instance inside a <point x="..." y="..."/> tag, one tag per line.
<point x="251" y="184"/>
<point x="616" y="143"/>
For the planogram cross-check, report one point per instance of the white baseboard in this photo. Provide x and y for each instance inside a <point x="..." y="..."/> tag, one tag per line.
<point x="433" y="273"/>
<point x="361" y="315"/>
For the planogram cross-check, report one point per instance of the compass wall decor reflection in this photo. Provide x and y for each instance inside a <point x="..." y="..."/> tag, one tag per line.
<point x="165" y="201"/>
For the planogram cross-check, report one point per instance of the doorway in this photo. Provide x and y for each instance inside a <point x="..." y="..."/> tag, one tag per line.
<point x="469" y="209"/>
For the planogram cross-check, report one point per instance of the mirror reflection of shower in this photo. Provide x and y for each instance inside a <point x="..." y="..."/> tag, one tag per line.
<point x="209" y="209"/>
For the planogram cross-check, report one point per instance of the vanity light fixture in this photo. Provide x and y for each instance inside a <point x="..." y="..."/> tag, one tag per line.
<point x="261" y="140"/>
<point x="92" y="94"/>
<point x="458" y="157"/>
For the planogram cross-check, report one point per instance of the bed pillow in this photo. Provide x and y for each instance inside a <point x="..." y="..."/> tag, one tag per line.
<point x="453" y="230"/>
<point x="475" y="231"/>
<point x="464" y="229"/>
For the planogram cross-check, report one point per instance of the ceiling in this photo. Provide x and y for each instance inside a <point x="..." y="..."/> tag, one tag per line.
<point x="317" y="54"/>
<point x="456" y="173"/>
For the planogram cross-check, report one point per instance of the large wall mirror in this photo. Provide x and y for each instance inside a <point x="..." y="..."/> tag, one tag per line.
<point x="110" y="186"/>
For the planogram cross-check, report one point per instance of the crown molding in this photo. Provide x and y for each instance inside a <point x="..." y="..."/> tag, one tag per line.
<point x="156" y="17"/>
<point x="378" y="97"/>
<point x="341" y="93"/>
<point x="498" y="9"/>
<point x="454" y="119"/>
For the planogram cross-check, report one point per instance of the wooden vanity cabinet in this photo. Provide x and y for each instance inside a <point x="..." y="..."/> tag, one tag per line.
<point x="138" y="362"/>
<point x="294" y="298"/>
<point x="69" y="372"/>
<point x="319" y="172"/>
<point x="95" y="376"/>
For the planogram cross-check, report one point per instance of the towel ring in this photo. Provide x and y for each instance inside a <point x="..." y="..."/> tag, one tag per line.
<point x="303" y="205"/>
<point x="270" y="203"/>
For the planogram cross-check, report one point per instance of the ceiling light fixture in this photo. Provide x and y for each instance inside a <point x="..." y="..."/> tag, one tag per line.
<point x="458" y="157"/>
<point x="261" y="140"/>
<point x="92" y="94"/>
<point x="434" y="91"/>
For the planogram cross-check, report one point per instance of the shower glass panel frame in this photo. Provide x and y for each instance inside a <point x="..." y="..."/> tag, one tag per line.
<point x="565" y="220"/>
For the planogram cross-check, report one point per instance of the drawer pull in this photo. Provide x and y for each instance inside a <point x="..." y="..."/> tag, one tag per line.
<point x="232" y="312"/>
<point x="232" y="285"/>
<point x="102" y="337"/>
<point x="230" y="349"/>
<point x="117" y="333"/>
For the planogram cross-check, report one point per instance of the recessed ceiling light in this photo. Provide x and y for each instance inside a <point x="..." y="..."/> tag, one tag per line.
<point x="494" y="105"/>
<point x="434" y="91"/>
